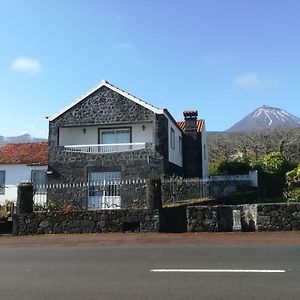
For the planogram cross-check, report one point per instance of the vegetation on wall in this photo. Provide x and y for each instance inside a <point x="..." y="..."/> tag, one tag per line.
<point x="274" y="153"/>
<point x="292" y="193"/>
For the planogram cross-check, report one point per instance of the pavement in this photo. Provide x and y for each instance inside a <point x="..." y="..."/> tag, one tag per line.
<point x="121" y="266"/>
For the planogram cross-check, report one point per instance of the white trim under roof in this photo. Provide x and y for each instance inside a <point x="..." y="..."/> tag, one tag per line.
<point x="115" y="89"/>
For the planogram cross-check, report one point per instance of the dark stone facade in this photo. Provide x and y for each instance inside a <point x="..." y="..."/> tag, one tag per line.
<point x="102" y="108"/>
<point x="86" y="222"/>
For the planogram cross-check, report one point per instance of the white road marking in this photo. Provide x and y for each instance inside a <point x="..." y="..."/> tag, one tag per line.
<point x="216" y="271"/>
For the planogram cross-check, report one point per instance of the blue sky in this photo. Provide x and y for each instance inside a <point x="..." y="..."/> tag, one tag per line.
<point x="223" y="58"/>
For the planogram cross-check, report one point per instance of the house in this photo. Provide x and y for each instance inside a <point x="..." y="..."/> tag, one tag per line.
<point x="21" y="162"/>
<point x="108" y="135"/>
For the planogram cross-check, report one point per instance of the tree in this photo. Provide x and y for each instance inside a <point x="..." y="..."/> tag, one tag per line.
<point x="272" y="168"/>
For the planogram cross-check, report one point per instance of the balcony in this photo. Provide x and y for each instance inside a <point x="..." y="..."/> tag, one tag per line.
<point x="105" y="148"/>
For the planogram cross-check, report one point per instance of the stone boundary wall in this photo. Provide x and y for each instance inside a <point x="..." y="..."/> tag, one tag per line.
<point x="221" y="218"/>
<point x="120" y="220"/>
<point x="255" y="217"/>
<point x="278" y="217"/>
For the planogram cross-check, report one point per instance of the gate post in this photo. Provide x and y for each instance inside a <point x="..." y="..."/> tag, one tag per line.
<point x="25" y="198"/>
<point x="153" y="193"/>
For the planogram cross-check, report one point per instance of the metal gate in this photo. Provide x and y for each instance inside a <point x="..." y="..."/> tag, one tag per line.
<point x="104" y="190"/>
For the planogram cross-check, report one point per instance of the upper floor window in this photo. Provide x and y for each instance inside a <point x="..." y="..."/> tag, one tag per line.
<point x="115" y="136"/>
<point x="172" y="138"/>
<point x="180" y="145"/>
<point x="2" y="182"/>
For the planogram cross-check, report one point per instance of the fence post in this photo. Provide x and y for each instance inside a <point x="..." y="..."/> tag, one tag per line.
<point x="153" y="193"/>
<point x="25" y="198"/>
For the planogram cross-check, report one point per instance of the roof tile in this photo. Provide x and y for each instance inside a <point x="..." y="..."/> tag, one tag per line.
<point x="199" y="125"/>
<point x="26" y="153"/>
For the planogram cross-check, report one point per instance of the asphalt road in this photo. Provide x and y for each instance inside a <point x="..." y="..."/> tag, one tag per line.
<point x="124" y="271"/>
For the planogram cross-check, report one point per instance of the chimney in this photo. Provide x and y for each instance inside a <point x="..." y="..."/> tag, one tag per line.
<point x="191" y="148"/>
<point x="190" y="118"/>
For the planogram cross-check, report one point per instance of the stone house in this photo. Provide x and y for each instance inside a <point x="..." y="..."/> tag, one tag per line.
<point x="110" y="135"/>
<point x="21" y="162"/>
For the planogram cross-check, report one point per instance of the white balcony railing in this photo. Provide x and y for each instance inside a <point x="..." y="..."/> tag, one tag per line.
<point x="105" y="148"/>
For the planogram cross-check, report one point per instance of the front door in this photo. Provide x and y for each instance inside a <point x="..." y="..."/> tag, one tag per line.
<point x="104" y="190"/>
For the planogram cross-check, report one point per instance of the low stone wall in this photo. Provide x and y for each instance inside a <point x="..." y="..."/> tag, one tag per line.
<point x="278" y="217"/>
<point x="261" y="217"/>
<point x="202" y="219"/>
<point x="86" y="221"/>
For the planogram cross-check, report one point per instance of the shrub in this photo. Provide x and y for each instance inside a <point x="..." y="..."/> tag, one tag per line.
<point x="234" y="167"/>
<point x="293" y="195"/>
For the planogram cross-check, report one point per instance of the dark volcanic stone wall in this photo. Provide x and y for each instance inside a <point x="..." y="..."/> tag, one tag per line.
<point x="74" y="168"/>
<point x="86" y="222"/>
<point x="104" y="106"/>
<point x="278" y="217"/>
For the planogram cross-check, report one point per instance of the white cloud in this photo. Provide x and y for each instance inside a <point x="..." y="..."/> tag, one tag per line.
<point x="26" y="65"/>
<point x="250" y="80"/>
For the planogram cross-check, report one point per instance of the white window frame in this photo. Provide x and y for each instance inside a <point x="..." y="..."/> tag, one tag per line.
<point x="40" y="187"/>
<point x="127" y="129"/>
<point x="180" y="145"/>
<point x="2" y="184"/>
<point x="104" y="190"/>
<point x="172" y="138"/>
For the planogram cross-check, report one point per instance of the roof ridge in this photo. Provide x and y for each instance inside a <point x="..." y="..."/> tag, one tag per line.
<point x="114" y="88"/>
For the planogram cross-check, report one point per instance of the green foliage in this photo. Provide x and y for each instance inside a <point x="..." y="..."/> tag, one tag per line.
<point x="213" y="168"/>
<point x="273" y="162"/>
<point x="293" y="195"/>
<point x="293" y="177"/>
<point x="52" y="206"/>
<point x="234" y="167"/>
<point x="272" y="168"/>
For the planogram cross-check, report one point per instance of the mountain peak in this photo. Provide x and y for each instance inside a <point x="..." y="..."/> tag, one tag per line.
<point x="24" y="138"/>
<point x="265" y="117"/>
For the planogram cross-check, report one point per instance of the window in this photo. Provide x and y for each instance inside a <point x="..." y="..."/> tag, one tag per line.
<point x="107" y="182"/>
<point x="39" y="180"/>
<point x="104" y="190"/>
<point x="204" y="152"/>
<point x="180" y="145"/>
<point x="115" y="136"/>
<point x="2" y="182"/>
<point x="172" y="138"/>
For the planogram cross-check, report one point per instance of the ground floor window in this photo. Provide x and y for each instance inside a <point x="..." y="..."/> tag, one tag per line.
<point x="2" y="182"/>
<point x="104" y="190"/>
<point x="39" y="180"/>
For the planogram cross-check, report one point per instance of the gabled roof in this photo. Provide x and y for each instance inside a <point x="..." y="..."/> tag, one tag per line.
<point x="27" y="154"/>
<point x="114" y="88"/>
<point x="199" y="125"/>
